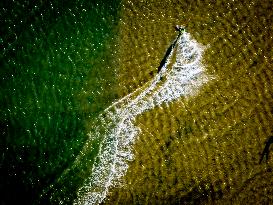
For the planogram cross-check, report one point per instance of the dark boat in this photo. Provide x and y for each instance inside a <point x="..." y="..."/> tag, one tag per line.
<point x="169" y="50"/>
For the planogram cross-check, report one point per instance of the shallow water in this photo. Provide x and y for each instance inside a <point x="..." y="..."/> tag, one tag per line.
<point x="77" y="58"/>
<point x="205" y="149"/>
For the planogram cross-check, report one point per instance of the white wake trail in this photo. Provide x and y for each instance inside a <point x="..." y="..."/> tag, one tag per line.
<point x="117" y="131"/>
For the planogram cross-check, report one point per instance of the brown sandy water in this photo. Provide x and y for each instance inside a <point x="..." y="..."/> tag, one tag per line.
<point x="204" y="149"/>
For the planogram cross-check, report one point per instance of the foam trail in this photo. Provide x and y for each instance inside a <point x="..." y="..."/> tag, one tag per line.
<point x="117" y="130"/>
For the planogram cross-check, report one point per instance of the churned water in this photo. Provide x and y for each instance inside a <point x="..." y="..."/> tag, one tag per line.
<point x="116" y="125"/>
<point x="86" y="117"/>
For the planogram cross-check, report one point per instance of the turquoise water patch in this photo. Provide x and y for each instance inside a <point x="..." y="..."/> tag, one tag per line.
<point x="55" y="59"/>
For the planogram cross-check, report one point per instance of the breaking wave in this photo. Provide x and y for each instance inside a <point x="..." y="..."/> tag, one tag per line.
<point x="181" y="75"/>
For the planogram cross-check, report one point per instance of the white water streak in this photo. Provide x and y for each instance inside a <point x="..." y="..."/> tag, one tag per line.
<point x="117" y="130"/>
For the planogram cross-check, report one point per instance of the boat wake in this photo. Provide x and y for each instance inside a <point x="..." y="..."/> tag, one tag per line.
<point x="181" y="75"/>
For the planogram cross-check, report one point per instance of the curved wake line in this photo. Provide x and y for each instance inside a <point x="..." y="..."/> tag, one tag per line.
<point x="117" y="130"/>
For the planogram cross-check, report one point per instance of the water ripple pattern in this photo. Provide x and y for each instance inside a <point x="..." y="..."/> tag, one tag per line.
<point x="116" y="129"/>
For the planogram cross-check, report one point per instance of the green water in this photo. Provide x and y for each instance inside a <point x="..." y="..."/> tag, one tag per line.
<point x="55" y="57"/>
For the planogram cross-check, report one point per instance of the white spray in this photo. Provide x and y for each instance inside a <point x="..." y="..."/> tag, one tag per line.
<point x="117" y="131"/>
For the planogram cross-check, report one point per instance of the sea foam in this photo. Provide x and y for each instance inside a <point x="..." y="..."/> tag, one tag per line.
<point x="117" y="131"/>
